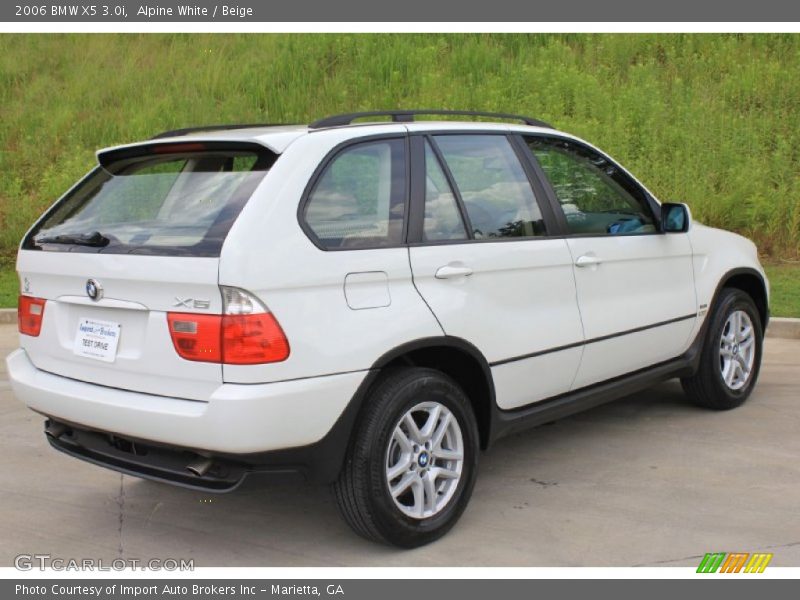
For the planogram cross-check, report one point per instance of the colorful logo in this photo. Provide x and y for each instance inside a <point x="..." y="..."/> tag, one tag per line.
<point x="734" y="562"/>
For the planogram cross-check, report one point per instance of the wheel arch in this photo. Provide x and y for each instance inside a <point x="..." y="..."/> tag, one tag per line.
<point x="459" y="360"/>
<point x="751" y="282"/>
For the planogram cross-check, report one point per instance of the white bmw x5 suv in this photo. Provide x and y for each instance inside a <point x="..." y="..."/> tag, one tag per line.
<point x="369" y="304"/>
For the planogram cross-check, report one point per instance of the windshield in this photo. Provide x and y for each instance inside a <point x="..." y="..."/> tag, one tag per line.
<point x="160" y="202"/>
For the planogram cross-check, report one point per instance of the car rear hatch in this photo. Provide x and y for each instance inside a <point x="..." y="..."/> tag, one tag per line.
<point x="136" y="239"/>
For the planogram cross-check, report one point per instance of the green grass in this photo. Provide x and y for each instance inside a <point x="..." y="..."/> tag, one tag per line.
<point x="784" y="280"/>
<point x="711" y="120"/>
<point x="9" y="288"/>
<point x="707" y="119"/>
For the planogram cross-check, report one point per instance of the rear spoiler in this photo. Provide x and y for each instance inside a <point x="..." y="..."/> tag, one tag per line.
<point x="112" y="158"/>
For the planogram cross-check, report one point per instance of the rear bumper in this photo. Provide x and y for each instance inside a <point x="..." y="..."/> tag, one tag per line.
<point x="160" y="463"/>
<point x="267" y="424"/>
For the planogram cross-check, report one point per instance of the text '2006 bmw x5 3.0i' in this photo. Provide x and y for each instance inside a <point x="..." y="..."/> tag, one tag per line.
<point x="367" y="303"/>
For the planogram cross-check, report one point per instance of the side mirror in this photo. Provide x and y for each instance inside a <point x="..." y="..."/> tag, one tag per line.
<point x="675" y="218"/>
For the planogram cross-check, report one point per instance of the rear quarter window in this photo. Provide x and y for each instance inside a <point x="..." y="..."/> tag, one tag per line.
<point x="359" y="199"/>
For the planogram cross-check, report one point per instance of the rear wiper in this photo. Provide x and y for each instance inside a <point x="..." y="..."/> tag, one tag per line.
<point x="95" y="239"/>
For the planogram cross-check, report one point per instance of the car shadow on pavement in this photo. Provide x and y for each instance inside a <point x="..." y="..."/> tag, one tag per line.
<point x="268" y="521"/>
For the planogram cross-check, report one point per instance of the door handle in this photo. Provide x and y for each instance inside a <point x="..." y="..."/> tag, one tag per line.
<point x="587" y="260"/>
<point x="452" y="271"/>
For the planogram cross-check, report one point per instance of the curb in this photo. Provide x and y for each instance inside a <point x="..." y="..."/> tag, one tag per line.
<point x="779" y="327"/>
<point x="782" y="327"/>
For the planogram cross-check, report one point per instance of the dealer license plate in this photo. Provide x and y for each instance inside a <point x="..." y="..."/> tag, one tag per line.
<point x="97" y="339"/>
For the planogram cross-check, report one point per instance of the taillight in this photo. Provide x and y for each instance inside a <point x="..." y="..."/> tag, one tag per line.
<point x="247" y="334"/>
<point x="252" y="340"/>
<point x="196" y="337"/>
<point x="30" y="312"/>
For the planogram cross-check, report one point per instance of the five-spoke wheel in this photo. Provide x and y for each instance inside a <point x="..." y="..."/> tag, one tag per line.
<point x="737" y="350"/>
<point x="410" y="470"/>
<point x="424" y="460"/>
<point x="731" y="353"/>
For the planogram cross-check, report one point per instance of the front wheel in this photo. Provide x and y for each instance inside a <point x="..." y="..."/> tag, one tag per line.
<point x="731" y="354"/>
<point x="411" y="467"/>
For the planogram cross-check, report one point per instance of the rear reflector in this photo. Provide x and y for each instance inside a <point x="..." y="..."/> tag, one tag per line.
<point x="229" y="339"/>
<point x="30" y="312"/>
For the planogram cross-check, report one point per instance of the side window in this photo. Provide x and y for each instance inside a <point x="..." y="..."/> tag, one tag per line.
<point x="493" y="186"/>
<point x="442" y="216"/>
<point x="360" y="199"/>
<point x="596" y="196"/>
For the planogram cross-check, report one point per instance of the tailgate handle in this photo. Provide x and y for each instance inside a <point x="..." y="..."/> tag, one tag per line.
<point x="104" y="303"/>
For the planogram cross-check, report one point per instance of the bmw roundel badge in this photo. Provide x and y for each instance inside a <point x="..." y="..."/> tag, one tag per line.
<point x="94" y="290"/>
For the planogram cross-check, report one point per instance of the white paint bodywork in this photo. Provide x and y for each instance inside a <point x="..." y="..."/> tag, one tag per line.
<point x="234" y="418"/>
<point x="342" y="310"/>
<point x="640" y="280"/>
<point x="715" y="253"/>
<point x="138" y="292"/>
<point x="304" y="286"/>
<point x="519" y="300"/>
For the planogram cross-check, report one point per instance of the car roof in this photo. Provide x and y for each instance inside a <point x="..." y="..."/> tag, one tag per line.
<point x="278" y="137"/>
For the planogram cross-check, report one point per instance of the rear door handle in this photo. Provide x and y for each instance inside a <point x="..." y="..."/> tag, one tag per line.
<point x="452" y="271"/>
<point x="587" y="260"/>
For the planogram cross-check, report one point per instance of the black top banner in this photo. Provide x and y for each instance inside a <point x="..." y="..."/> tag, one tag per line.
<point x="440" y="11"/>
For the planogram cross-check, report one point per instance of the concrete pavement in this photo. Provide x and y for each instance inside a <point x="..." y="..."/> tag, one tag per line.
<point x="647" y="480"/>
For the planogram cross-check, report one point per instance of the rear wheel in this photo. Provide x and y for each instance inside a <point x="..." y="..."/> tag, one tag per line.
<point x="731" y="354"/>
<point x="411" y="468"/>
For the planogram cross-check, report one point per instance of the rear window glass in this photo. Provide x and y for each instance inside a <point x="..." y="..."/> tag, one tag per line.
<point x="165" y="203"/>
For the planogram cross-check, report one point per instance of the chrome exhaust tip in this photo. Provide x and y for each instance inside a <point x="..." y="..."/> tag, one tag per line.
<point x="200" y="467"/>
<point x="54" y="430"/>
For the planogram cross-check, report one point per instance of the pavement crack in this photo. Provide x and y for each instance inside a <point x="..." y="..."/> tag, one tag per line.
<point x="543" y="483"/>
<point x="789" y="545"/>
<point x="667" y="561"/>
<point x="672" y="560"/>
<point x="121" y="505"/>
<point x="153" y="512"/>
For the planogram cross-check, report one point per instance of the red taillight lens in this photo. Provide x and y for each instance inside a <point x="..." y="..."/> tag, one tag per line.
<point x="196" y="337"/>
<point x="253" y="339"/>
<point x="230" y="339"/>
<point x="30" y="312"/>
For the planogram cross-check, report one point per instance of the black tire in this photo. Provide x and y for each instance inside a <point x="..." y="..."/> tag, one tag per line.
<point x="362" y="490"/>
<point x="707" y="387"/>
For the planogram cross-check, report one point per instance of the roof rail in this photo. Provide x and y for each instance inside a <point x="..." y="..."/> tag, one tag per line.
<point x="188" y="130"/>
<point x="407" y="116"/>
